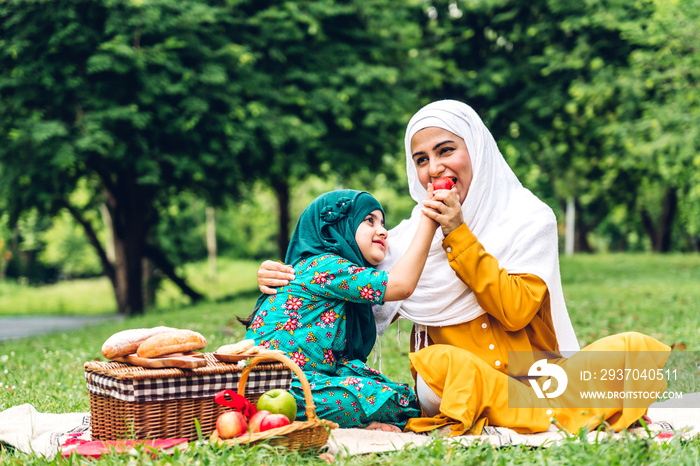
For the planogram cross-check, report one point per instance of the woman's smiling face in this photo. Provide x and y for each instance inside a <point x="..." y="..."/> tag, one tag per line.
<point x="439" y="153"/>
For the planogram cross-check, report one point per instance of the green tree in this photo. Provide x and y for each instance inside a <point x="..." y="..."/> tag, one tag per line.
<point x="561" y="84"/>
<point x="664" y="137"/>
<point x="134" y="99"/>
<point x="642" y="111"/>
<point x="514" y="62"/>
<point x="144" y="101"/>
<point x="329" y="94"/>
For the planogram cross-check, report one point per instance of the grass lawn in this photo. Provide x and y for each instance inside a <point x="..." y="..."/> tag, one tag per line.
<point x="96" y="296"/>
<point x="656" y="295"/>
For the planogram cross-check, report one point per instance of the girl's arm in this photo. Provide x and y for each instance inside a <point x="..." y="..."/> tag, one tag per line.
<point x="403" y="277"/>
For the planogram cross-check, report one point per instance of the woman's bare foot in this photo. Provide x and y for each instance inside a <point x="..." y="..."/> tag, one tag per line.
<point x="645" y="418"/>
<point x="383" y="427"/>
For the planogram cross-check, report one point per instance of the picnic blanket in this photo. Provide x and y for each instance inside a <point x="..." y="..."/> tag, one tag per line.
<point x="44" y="434"/>
<point x="24" y="428"/>
<point x="669" y="419"/>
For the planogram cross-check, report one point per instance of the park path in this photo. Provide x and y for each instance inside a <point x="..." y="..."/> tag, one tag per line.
<point x="26" y="326"/>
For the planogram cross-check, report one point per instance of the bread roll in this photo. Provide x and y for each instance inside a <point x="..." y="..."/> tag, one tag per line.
<point x="127" y="342"/>
<point x="240" y="347"/>
<point x="176" y="341"/>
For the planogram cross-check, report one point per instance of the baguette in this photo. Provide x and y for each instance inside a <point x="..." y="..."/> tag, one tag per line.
<point x="243" y="346"/>
<point x="176" y="341"/>
<point x="127" y="342"/>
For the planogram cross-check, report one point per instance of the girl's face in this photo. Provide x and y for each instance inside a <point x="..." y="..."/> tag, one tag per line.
<point x="439" y="153"/>
<point x="371" y="237"/>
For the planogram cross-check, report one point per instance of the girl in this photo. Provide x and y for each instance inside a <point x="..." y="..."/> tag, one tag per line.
<point x="323" y="318"/>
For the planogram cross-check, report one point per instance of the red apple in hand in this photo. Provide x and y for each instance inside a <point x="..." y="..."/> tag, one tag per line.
<point x="278" y="401"/>
<point x="230" y="424"/>
<point x="272" y="421"/>
<point x="256" y="419"/>
<point x="443" y="183"/>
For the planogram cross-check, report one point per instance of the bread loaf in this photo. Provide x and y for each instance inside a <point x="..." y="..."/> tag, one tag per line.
<point x="176" y="341"/>
<point x="243" y="346"/>
<point x="127" y="342"/>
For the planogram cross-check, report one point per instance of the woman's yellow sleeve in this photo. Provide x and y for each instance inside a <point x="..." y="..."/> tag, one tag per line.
<point x="513" y="299"/>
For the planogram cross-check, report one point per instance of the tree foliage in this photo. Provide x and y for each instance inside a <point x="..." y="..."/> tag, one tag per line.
<point x="575" y="92"/>
<point x="327" y="96"/>
<point x="144" y="101"/>
<point x="131" y="99"/>
<point x="157" y="108"/>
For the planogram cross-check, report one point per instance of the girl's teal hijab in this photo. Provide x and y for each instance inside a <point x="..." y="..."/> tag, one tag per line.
<point x="328" y="225"/>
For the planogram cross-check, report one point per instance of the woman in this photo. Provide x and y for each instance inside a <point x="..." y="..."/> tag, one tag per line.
<point x="491" y="286"/>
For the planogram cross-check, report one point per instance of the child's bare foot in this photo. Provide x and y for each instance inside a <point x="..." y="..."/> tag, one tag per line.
<point x="383" y="427"/>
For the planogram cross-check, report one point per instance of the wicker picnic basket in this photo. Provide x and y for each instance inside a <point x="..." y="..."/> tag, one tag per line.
<point x="298" y="436"/>
<point x="131" y="402"/>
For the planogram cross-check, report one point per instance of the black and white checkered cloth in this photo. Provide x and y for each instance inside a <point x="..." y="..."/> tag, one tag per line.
<point x="203" y="386"/>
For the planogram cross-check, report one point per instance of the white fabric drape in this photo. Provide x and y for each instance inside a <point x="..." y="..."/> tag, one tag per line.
<point x="512" y="224"/>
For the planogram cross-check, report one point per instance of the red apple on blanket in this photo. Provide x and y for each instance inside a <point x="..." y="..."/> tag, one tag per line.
<point x="256" y="419"/>
<point x="273" y="421"/>
<point x="443" y="183"/>
<point x="278" y="401"/>
<point x="231" y="424"/>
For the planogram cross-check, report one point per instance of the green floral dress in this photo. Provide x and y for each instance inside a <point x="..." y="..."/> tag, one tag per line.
<point x="306" y="320"/>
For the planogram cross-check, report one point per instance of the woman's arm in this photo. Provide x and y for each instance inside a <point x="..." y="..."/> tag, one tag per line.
<point x="444" y="208"/>
<point x="513" y="299"/>
<point x="273" y="274"/>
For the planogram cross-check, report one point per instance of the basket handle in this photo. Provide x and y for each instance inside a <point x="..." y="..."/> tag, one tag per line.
<point x="274" y="355"/>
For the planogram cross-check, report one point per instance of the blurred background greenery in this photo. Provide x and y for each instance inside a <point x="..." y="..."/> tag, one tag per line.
<point x="140" y="138"/>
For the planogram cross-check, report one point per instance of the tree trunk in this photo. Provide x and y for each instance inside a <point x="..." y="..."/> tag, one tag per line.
<point x="661" y="235"/>
<point x="131" y="215"/>
<point x="129" y="272"/>
<point x="211" y="243"/>
<point x="570" y="226"/>
<point x="109" y="241"/>
<point x="151" y="280"/>
<point x="667" y="217"/>
<point x="581" y="231"/>
<point x="130" y="223"/>
<point x="281" y="188"/>
<point x="5" y="257"/>
<point x="131" y="208"/>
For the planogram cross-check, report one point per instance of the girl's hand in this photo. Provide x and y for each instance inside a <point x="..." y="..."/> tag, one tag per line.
<point x="429" y="197"/>
<point x="273" y="274"/>
<point x="444" y="208"/>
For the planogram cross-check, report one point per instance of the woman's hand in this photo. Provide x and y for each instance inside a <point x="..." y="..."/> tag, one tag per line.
<point x="274" y="274"/>
<point x="445" y="209"/>
<point x="374" y="425"/>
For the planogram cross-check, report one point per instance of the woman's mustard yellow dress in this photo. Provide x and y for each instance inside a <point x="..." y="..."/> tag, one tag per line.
<point x="468" y="364"/>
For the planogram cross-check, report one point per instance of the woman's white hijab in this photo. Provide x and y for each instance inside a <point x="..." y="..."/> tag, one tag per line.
<point x="512" y="224"/>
